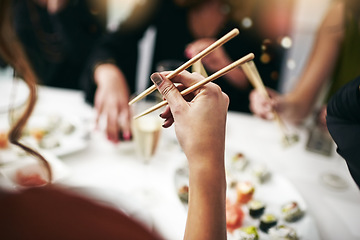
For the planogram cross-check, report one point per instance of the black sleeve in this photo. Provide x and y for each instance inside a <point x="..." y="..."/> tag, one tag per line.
<point x="121" y="48"/>
<point x="343" y="122"/>
<point x="78" y="28"/>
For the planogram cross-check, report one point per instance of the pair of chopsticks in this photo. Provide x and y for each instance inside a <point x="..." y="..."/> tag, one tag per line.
<point x="190" y="62"/>
<point x="253" y="75"/>
<point x="199" y="84"/>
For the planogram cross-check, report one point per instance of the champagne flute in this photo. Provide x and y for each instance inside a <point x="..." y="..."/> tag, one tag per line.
<point x="147" y="129"/>
<point x="320" y="142"/>
<point x="146" y="132"/>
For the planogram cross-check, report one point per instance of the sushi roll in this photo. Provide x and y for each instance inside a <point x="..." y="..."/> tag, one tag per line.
<point x="282" y="232"/>
<point x="256" y="208"/>
<point x="244" y="191"/>
<point x="239" y="162"/>
<point x="67" y="128"/>
<point x="183" y="194"/>
<point x="267" y="221"/>
<point x="234" y="216"/>
<point x="291" y="212"/>
<point x="246" y="233"/>
<point x="4" y="142"/>
<point x="49" y="142"/>
<point x="261" y="173"/>
<point x="38" y="133"/>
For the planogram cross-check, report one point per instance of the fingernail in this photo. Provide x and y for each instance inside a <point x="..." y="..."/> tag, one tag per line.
<point x="160" y="115"/>
<point x="156" y="78"/>
<point x="127" y="136"/>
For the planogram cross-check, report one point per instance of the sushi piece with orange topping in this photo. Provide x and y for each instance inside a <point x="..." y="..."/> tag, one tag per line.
<point x="4" y="142"/>
<point x="244" y="191"/>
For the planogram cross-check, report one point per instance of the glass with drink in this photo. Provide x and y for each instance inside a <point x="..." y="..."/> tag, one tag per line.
<point x="147" y="129"/>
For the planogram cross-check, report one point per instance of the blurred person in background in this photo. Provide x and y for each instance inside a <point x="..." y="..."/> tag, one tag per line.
<point x="335" y="56"/>
<point x="183" y="29"/>
<point x="343" y="122"/>
<point x="51" y="212"/>
<point x="58" y="36"/>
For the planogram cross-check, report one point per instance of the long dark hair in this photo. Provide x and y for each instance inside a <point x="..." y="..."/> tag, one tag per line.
<point x="11" y="51"/>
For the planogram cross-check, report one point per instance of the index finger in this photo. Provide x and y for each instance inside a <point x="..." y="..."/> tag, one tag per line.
<point x="187" y="79"/>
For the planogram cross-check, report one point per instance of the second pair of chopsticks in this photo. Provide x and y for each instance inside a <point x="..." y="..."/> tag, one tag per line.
<point x="190" y="62"/>
<point x="254" y="77"/>
<point x="201" y="83"/>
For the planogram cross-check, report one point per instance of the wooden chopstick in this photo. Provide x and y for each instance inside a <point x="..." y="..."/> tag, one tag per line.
<point x="254" y="77"/>
<point x="199" y="84"/>
<point x="191" y="61"/>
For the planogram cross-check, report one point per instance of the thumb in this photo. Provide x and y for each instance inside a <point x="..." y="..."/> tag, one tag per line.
<point x="168" y="90"/>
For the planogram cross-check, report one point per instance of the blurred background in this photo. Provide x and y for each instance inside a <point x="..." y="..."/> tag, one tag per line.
<point x="291" y="24"/>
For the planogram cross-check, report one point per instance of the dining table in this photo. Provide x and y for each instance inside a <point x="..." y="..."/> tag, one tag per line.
<point x="114" y="174"/>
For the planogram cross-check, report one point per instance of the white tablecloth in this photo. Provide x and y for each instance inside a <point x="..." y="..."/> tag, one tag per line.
<point x="148" y="191"/>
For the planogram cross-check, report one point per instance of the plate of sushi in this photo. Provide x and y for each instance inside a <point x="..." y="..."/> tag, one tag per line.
<point x="61" y="135"/>
<point x="260" y="204"/>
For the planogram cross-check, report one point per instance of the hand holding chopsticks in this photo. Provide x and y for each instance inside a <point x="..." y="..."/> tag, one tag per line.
<point x="254" y="77"/>
<point x="196" y="58"/>
<point x="214" y="76"/>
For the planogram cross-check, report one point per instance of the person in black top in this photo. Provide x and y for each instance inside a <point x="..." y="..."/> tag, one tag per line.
<point x="343" y="122"/>
<point x="58" y="37"/>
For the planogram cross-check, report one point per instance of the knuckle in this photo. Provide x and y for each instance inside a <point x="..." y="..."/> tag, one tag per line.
<point x="215" y="89"/>
<point x="167" y="89"/>
<point x="226" y="97"/>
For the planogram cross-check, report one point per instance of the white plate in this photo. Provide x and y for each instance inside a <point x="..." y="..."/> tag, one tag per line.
<point x="28" y="164"/>
<point x="67" y="142"/>
<point x="274" y="193"/>
<point x="56" y="124"/>
<point x="13" y="94"/>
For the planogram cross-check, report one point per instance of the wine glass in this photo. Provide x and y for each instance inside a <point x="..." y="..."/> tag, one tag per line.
<point x="146" y="138"/>
<point x="147" y="129"/>
<point x="320" y="142"/>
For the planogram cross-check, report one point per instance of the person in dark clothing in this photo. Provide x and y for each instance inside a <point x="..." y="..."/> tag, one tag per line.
<point x="343" y="122"/>
<point x="183" y="28"/>
<point x="58" y="41"/>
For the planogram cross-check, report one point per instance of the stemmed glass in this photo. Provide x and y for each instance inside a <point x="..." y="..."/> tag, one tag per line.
<point x="320" y="141"/>
<point x="147" y="129"/>
<point x="147" y="135"/>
